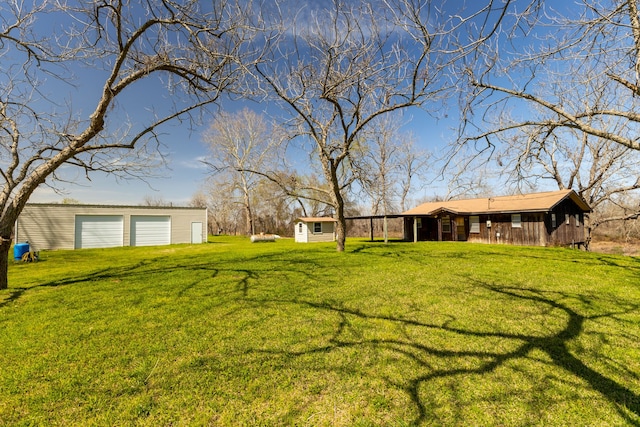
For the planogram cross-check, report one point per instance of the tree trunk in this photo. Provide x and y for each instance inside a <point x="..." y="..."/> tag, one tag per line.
<point x="5" y="245"/>
<point x="338" y="204"/>
<point x="341" y="232"/>
<point x="7" y="225"/>
<point x="249" y="213"/>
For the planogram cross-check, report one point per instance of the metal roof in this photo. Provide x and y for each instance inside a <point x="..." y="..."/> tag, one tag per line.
<point x="80" y="205"/>
<point x="536" y="202"/>
<point x="316" y="219"/>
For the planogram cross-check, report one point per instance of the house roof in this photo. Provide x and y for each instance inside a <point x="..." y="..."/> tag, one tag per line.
<point x="316" y="219"/>
<point x="536" y="202"/>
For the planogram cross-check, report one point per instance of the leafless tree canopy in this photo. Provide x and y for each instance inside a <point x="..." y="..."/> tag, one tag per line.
<point x="570" y="69"/>
<point x="239" y="144"/>
<point x="335" y="67"/>
<point x="186" y="51"/>
<point x="390" y="166"/>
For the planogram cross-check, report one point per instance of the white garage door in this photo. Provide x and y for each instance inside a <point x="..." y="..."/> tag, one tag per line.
<point x="99" y="231"/>
<point x="147" y="230"/>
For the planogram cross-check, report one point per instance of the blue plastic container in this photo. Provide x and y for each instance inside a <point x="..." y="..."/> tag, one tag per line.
<point x="20" y="249"/>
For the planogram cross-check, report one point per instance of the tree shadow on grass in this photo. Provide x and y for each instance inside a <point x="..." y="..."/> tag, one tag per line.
<point x="243" y="277"/>
<point x="555" y="346"/>
<point x="101" y="274"/>
<point x="105" y="273"/>
<point x="458" y="250"/>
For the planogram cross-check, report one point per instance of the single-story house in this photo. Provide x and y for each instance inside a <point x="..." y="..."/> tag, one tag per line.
<point x="62" y="226"/>
<point x="554" y="218"/>
<point x="315" y="229"/>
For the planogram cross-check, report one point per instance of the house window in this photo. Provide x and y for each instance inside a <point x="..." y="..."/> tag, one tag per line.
<point x="553" y="220"/>
<point x="516" y="221"/>
<point x="317" y="227"/>
<point x="300" y="227"/>
<point x="577" y="220"/>
<point x="446" y="224"/>
<point x="566" y="218"/>
<point x="474" y="224"/>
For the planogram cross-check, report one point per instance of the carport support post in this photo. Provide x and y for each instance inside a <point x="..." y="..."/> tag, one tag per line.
<point x="371" y="228"/>
<point x="415" y="229"/>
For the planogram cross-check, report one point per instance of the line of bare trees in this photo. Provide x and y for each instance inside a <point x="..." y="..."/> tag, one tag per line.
<point x="255" y="187"/>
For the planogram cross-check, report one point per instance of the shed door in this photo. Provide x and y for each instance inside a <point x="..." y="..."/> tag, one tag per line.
<point x="196" y="232"/>
<point x="301" y="233"/>
<point x="99" y="231"/>
<point x="150" y="230"/>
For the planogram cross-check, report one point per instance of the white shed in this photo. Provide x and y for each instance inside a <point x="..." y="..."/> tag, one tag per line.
<point x="315" y="229"/>
<point x="59" y="226"/>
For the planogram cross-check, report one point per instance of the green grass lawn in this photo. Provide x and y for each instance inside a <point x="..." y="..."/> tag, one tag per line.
<point x="234" y="333"/>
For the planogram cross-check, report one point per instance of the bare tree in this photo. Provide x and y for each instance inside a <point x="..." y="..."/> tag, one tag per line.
<point x="602" y="172"/>
<point x="223" y="210"/>
<point x="573" y="73"/>
<point x="198" y="200"/>
<point x="182" y="50"/>
<point x="413" y="164"/>
<point x="389" y="165"/>
<point x="241" y="143"/>
<point x="379" y="165"/>
<point x="337" y="69"/>
<point x="312" y="195"/>
<point x="154" y="201"/>
<point x="274" y="209"/>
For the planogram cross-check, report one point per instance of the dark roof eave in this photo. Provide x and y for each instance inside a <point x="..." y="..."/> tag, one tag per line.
<point x="377" y="216"/>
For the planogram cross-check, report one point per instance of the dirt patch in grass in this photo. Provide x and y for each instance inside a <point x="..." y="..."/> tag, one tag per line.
<point x="630" y="248"/>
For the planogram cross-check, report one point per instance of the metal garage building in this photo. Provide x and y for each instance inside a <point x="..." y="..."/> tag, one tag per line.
<point x="57" y="226"/>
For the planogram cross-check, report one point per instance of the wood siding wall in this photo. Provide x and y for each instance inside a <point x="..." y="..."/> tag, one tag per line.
<point x="52" y="226"/>
<point x="532" y="230"/>
<point x="564" y="234"/>
<point x="327" y="234"/>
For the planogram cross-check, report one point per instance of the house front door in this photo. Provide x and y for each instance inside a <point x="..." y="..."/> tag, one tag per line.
<point x="461" y="229"/>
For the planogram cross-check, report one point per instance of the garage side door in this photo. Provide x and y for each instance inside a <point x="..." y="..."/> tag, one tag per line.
<point x="150" y="230"/>
<point x="196" y="233"/>
<point x="99" y="231"/>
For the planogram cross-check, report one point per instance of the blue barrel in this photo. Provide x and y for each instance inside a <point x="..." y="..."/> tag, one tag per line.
<point x="20" y="249"/>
